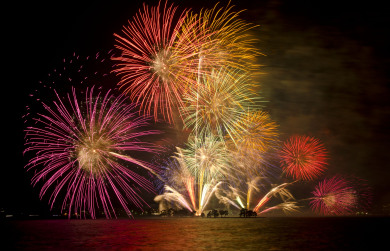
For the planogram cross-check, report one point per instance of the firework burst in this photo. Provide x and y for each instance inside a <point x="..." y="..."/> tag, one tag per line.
<point x="84" y="150"/>
<point x="334" y="196"/>
<point x="303" y="157"/>
<point x="215" y="106"/>
<point x="225" y="40"/>
<point x="207" y="158"/>
<point x="258" y="133"/>
<point x="157" y="59"/>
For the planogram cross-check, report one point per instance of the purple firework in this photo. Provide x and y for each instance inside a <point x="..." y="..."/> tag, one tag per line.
<point x="83" y="151"/>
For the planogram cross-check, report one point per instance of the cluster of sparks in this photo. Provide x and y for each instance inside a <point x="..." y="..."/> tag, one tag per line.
<point x="195" y="68"/>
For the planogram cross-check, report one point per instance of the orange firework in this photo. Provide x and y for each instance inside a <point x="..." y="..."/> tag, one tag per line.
<point x="258" y="133"/>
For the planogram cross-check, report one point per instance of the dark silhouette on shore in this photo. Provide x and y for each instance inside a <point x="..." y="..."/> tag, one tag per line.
<point x="247" y="213"/>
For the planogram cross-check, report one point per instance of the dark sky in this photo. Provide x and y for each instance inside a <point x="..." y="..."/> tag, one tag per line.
<point x="325" y="74"/>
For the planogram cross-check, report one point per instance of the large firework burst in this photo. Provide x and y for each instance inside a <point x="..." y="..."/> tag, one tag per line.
<point x="303" y="157"/>
<point x="157" y="59"/>
<point x="85" y="151"/>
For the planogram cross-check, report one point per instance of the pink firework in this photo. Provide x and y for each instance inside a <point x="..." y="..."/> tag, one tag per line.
<point x="334" y="196"/>
<point x="303" y="157"/>
<point x="84" y="152"/>
<point x="158" y="59"/>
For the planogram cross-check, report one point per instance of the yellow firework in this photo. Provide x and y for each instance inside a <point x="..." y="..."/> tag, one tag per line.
<point x="218" y="102"/>
<point x="258" y="133"/>
<point x="224" y="39"/>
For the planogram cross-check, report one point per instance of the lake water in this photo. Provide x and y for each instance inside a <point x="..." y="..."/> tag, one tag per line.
<point x="285" y="233"/>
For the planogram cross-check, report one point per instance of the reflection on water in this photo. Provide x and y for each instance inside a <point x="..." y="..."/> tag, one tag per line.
<point x="197" y="234"/>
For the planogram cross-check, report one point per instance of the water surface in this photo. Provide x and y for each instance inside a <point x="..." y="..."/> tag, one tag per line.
<point x="287" y="233"/>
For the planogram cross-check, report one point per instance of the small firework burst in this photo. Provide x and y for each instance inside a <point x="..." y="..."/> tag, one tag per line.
<point x="334" y="196"/>
<point x="303" y="157"/>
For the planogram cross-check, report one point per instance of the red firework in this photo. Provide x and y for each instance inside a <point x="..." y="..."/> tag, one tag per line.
<point x="157" y="59"/>
<point x="334" y="196"/>
<point x="303" y="157"/>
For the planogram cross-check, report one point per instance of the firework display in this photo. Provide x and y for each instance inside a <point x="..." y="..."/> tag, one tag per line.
<point x="171" y="65"/>
<point x="86" y="148"/>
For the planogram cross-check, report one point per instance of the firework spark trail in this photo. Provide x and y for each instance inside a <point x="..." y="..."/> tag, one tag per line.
<point x="240" y="189"/>
<point x="232" y="195"/>
<point x="252" y="186"/>
<point x="303" y="157"/>
<point x="171" y="195"/>
<point x="287" y="207"/>
<point x="158" y="59"/>
<point x="278" y="190"/>
<point x="177" y="175"/>
<point x="334" y="196"/>
<point x="79" y="147"/>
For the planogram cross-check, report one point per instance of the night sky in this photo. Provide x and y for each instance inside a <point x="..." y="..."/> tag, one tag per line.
<point x="325" y="74"/>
